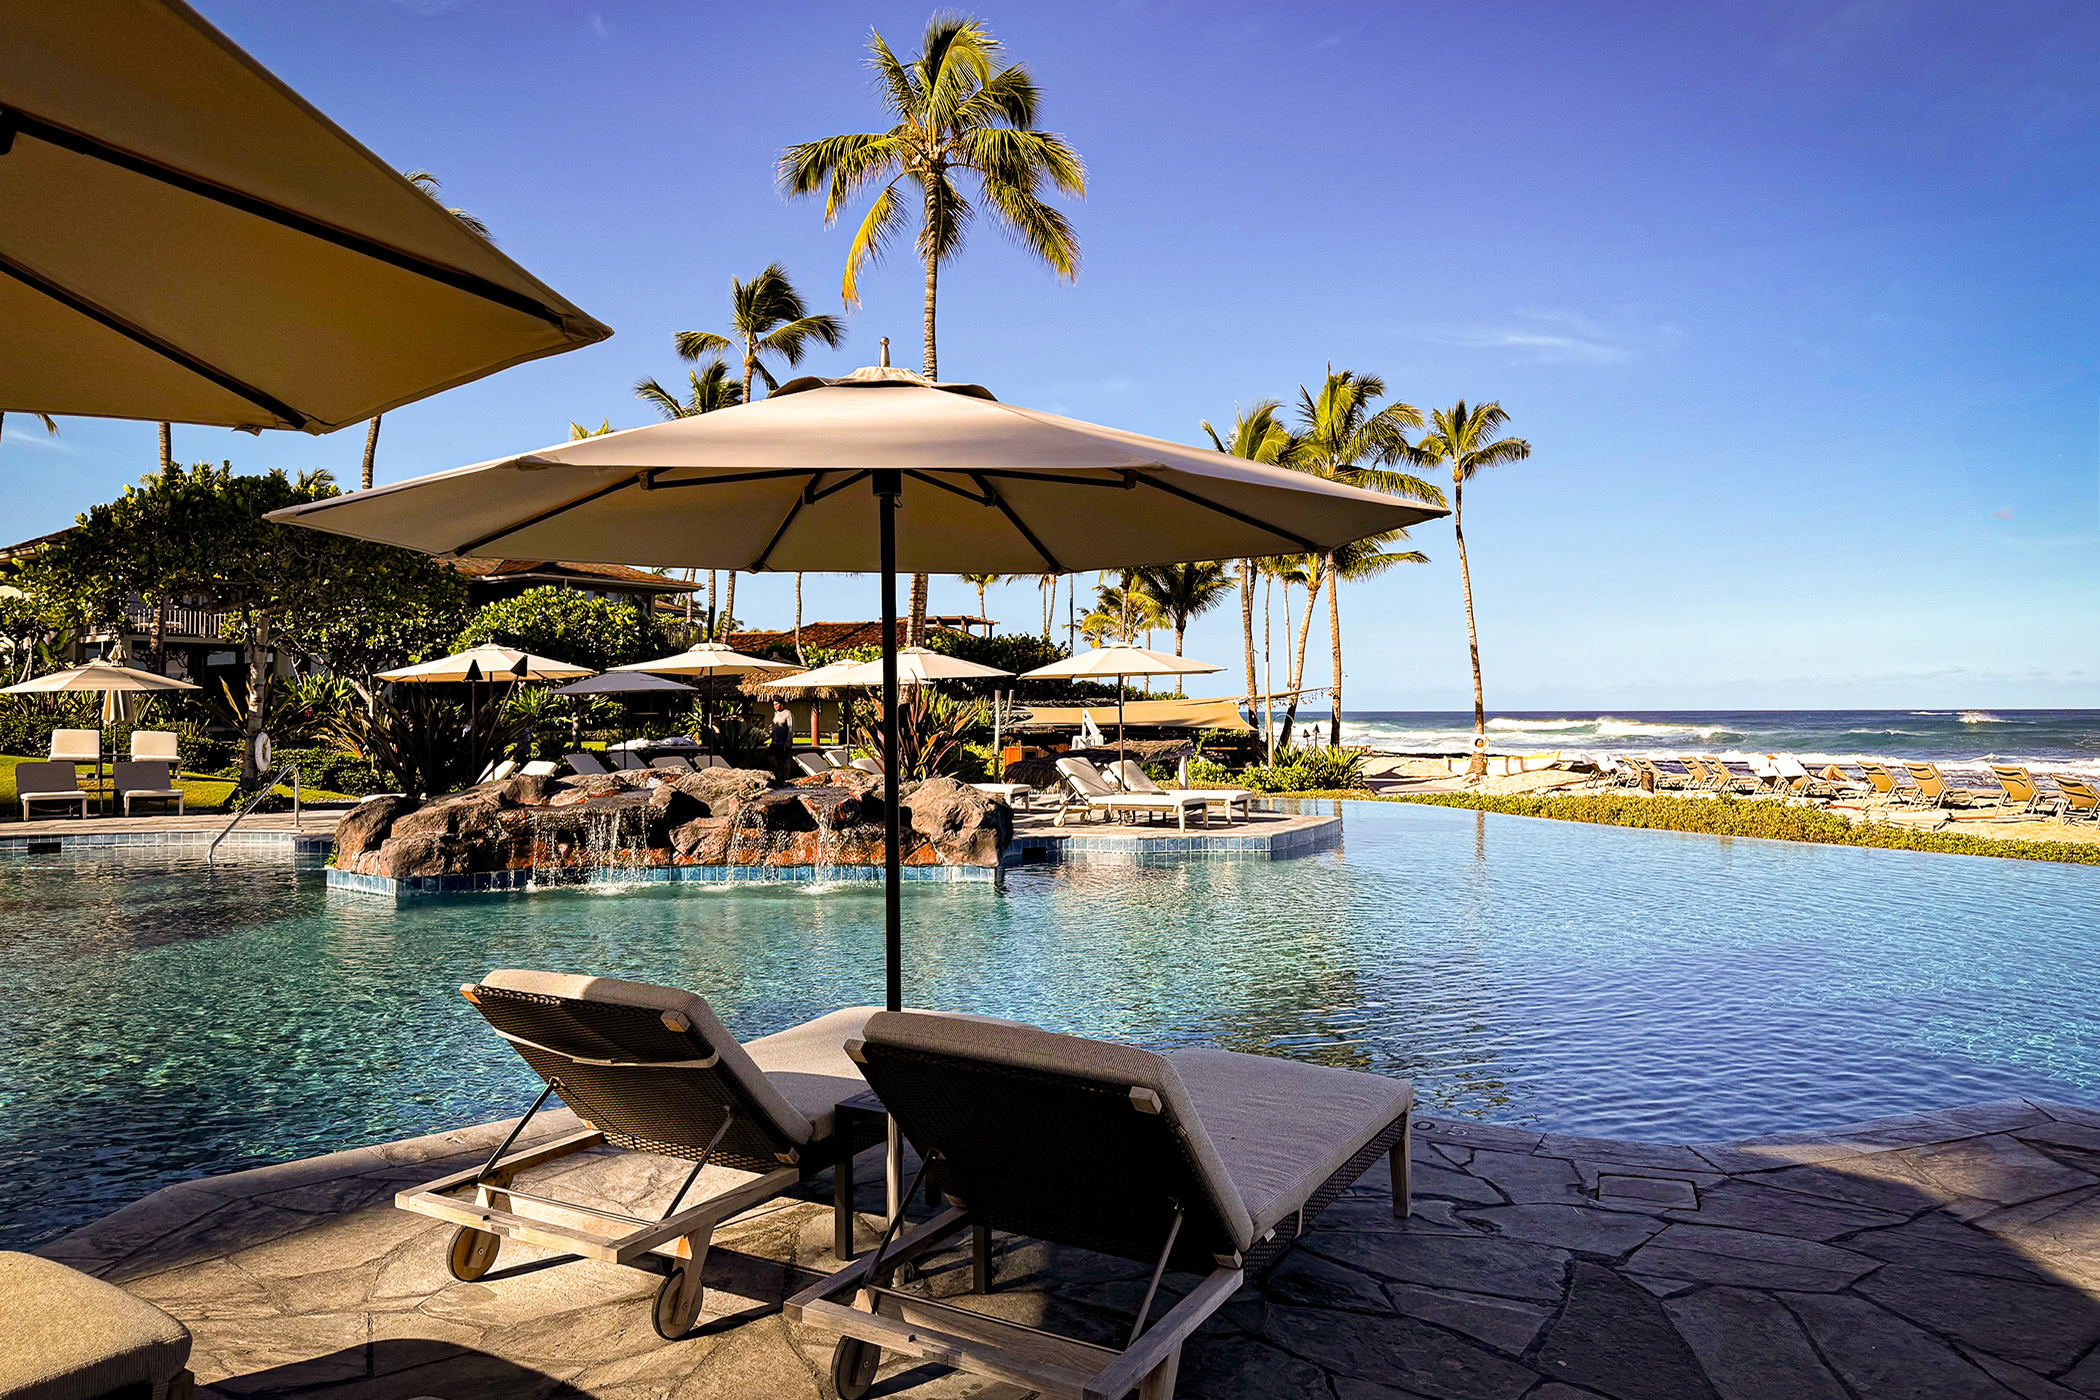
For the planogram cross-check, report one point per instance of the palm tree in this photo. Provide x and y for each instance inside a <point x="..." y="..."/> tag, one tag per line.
<point x="1345" y="439"/>
<point x="766" y="317"/>
<point x="1352" y="563"/>
<point x="1467" y="440"/>
<point x="167" y="446"/>
<point x="577" y="432"/>
<point x="1258" y="436"/>
<point x="1182" y="593"/>
<point x="50" y="423"/>
<point x="712" y="389"/>
<point x="430" y="185"/>
<point x="981" y="582"/>
<point x="957" y="114"/>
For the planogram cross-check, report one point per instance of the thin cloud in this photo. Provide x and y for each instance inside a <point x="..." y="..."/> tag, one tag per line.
<point x="598" y="25"/>
<point x="1549" y="337"/>
<point x="2002" y="513"/>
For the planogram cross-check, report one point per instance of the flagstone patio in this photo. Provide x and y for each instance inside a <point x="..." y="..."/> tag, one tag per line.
<point x="1954" y="1254"/>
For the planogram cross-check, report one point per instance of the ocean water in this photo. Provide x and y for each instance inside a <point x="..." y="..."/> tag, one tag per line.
<point x="2065" y="739"/>
<point x="167" y="1019"/>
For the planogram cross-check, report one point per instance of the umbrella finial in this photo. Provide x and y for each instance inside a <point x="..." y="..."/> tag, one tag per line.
<point x="885" y="352"/>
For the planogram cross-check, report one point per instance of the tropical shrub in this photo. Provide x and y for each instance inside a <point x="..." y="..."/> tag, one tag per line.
<point x="424" y="743"/>
<point x="565" y="625"/>
<point x="1206" y="772"/>
<point x="1332" y="769"/>
<point x="931" y="727"/>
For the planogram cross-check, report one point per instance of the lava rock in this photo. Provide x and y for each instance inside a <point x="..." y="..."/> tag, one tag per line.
<point x="723" y="788"/>
<point x="368" y="825"/>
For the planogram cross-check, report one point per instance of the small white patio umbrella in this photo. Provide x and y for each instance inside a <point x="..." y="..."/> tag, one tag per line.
<point x="707" y="659"/>
<point x="919" y="666"/>
<point x="617" y="683"/>
<point x="106" y="677"/>
<point x="1120" y="661"/>
<point x="486" y="663"/>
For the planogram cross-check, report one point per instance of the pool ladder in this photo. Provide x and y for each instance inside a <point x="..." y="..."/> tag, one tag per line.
<point x="290" y="770"/>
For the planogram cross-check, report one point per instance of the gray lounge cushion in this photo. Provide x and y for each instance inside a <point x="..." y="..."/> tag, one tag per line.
<point x="1283" y="1127"/>
<point x="71" y="1337"/>
<point x="808" y="1064"/>
<point x="809" y="1073"/>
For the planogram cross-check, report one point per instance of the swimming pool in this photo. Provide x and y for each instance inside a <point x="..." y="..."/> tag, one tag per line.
<point x="163" y="1019"/>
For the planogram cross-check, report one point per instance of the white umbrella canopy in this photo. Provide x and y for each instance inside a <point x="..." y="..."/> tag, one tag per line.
<point x="1120" y="661"/>
<point x="104" y="676"/>
<point x="486" y="663"/>
<point x="182" y="237"/>
<point x="707" y="659"/>
<point x="918" y="666"/>
<point x="788" y="484"/>
<point x="826" y="677"/>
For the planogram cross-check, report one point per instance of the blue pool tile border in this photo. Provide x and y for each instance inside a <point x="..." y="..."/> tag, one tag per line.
<point x="1322" y="833"/>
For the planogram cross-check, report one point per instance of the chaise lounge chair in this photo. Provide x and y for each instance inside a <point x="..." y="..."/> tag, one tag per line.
<point x="149" y="782"/>
<point x="586" y="765"/>
<point x="71" y="1336"/>
<point x="2018" y="788"/>
<point x="1934" y="789"/>
<point x="651" y="1069"/>
<point x="1201" y="1161"/>
<point x="812" y="765"/>
<point x="1090" y="792"/>
<point x="1131" y="777"/>
<point x="2081" y="800"/>
<point x="49" y="782"/>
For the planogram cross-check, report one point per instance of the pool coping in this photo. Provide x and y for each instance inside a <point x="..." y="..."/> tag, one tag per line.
<point x="58" y="843"/>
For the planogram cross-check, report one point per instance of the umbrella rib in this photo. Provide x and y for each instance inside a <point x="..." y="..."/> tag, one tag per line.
<point x="17" y="120"/>
<point x="794" y="509"/>
<point x="811" y="495"/>
<point x="726" y="478"/>
<point x="1123" y="482"/>
<point x="514" y="527"/>
<point x="984" y="499"/>
<point x="138" y="335"/>
<point x="1019" y="524"/>
<point x="1305" y="544"/>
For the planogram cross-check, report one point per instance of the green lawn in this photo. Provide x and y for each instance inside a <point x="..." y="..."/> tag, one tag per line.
<point x="199" y="794"/>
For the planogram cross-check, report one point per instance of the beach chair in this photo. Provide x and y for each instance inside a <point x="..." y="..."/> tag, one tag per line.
<point x="1794" y="780"/>
<point x="1088" y="791"/>
<point x="1888" y="784"/>
<point x="2018" y="788"/>
<point x="1654" y="777"/>
<point x="671" y="763"/>
<point x="2081" y="801"/>
<point x="71" y="1335"/>
<point x="1702" y="779"/>
<point x="586" y="765"/>
<point x="49" y="782"/>
<point x="812" y="765"/>
<point x="1130" y="775"/>
<point x="151" y="782"/>
<point x="650" y="1069"/>
<point x="625" y="760"/>
<point x="867" y="764"/>
<point x="76" y="746"/>
<point x="1202" y="1161"/>
<point x="154" y="745"/>
<point x="1731" y="776"/>
<point x="539" y="768"/>
<point x="839" y="758"/>
<point x="1934" y="789"/>
<point x="497" y="770"/>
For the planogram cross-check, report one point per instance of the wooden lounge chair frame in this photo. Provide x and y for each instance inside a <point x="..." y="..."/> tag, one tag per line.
<point x="863" y="1304"/>
<point x="608" y="1090"/>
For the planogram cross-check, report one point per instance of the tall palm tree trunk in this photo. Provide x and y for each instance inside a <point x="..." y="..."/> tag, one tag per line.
<point x="729" y="605"/>
<point x="1334" y="634"/>
<point x="930" y="365"/>
<point x="799" y="659"/>
<point x="711" y="613"/>
<point x="917" y="631"/>
<point x="167" y="446"/>
<point x="1268" y="666"/>
<point x="1477" y="769"/>
<point x="1312" y="605"/>
<point x="364" y="476"/>
<point x="1247" y="622"/>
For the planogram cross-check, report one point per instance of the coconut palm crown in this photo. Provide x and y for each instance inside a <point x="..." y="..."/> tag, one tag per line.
<point x="766" y="317"/>
<point x="959" y="115"/>
<point x="1259" y="436"/>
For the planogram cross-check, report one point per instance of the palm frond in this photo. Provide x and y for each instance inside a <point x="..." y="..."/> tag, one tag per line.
<point x="884" y="221"/>
<point x="1024" y="159"/>
<point x="1036" y="226"/>
<point x="792" y="340"/>
<point x="955" y="62"/>
<point x="900" y="89"/>
<point x="1007" y="98"/>
<point x="697" y="345"/>
<point x="659" y="398"/>
<point x="846" y="163"/>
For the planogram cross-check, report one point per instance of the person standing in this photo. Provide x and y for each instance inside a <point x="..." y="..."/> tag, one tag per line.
<point x="782" y="748"/>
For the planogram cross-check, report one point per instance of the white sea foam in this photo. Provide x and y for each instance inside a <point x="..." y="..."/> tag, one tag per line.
<point x="1540" y="725"/>
<point x="1978" y="717"/>
<point x="1634" y="728"/>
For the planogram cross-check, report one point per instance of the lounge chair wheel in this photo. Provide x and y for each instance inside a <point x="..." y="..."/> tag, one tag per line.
<point x="677" y="1303"/>
<point x="853" y="1364"/>
<point x="473" y="1253"/>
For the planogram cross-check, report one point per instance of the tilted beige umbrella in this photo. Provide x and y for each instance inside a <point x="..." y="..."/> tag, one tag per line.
<point x="879" y="471"/>
<point x="918" y="666"/>
<point x="1120" y="661"/>
<point x="707" y="659"/>
<point x="826" y="677"/>
<point x="183" y="237"/>
<point x="106" y="677"/>
<point x="487" y="663"/>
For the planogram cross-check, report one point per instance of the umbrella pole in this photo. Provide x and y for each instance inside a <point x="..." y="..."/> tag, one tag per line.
<point x="1119" y="718"/>
<point x="889" y="486"/>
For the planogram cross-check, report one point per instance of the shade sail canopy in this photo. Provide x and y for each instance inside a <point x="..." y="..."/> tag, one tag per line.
<point x="624" y="683"/>
<point x="183" y="237"/>
<point x="1120" y="661"/>
<point x="105" y="676"/>
<point x="707" y="659"/>
<point x="919" y="666"/>
<point x="786" y="484"/>
<point x="1146" y="714"/>
<point x="487" y="663"/>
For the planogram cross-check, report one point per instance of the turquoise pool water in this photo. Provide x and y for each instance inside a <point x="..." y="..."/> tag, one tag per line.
<point x="162" y="1019"/>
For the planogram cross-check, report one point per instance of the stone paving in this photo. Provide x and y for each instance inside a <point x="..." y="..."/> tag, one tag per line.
<point x="1954" y="1254"/>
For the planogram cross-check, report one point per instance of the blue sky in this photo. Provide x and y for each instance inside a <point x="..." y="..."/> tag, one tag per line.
<point x="1795" y="302"/>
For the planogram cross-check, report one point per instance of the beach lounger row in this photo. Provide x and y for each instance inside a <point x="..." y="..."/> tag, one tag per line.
<point x="2013" y="789"/>
<point x="1124" y="790"/>
<point x="1200" y="1161"/>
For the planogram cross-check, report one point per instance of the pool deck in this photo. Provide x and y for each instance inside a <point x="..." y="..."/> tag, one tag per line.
<point x="270" y="830"/>
<point x="1949" y="1254"/>
<point x="1257" y="835"/>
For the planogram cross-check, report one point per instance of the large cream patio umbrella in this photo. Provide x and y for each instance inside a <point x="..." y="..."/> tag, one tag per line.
<point x="917" y="666"/>
<point x="487" y="662"/>
<point x="707" y="659"/>
<point x="880" y="471"/>
<point x="105" y="677"/>
<point x="1120" y="661"/>
<point x="182" y="237"/>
